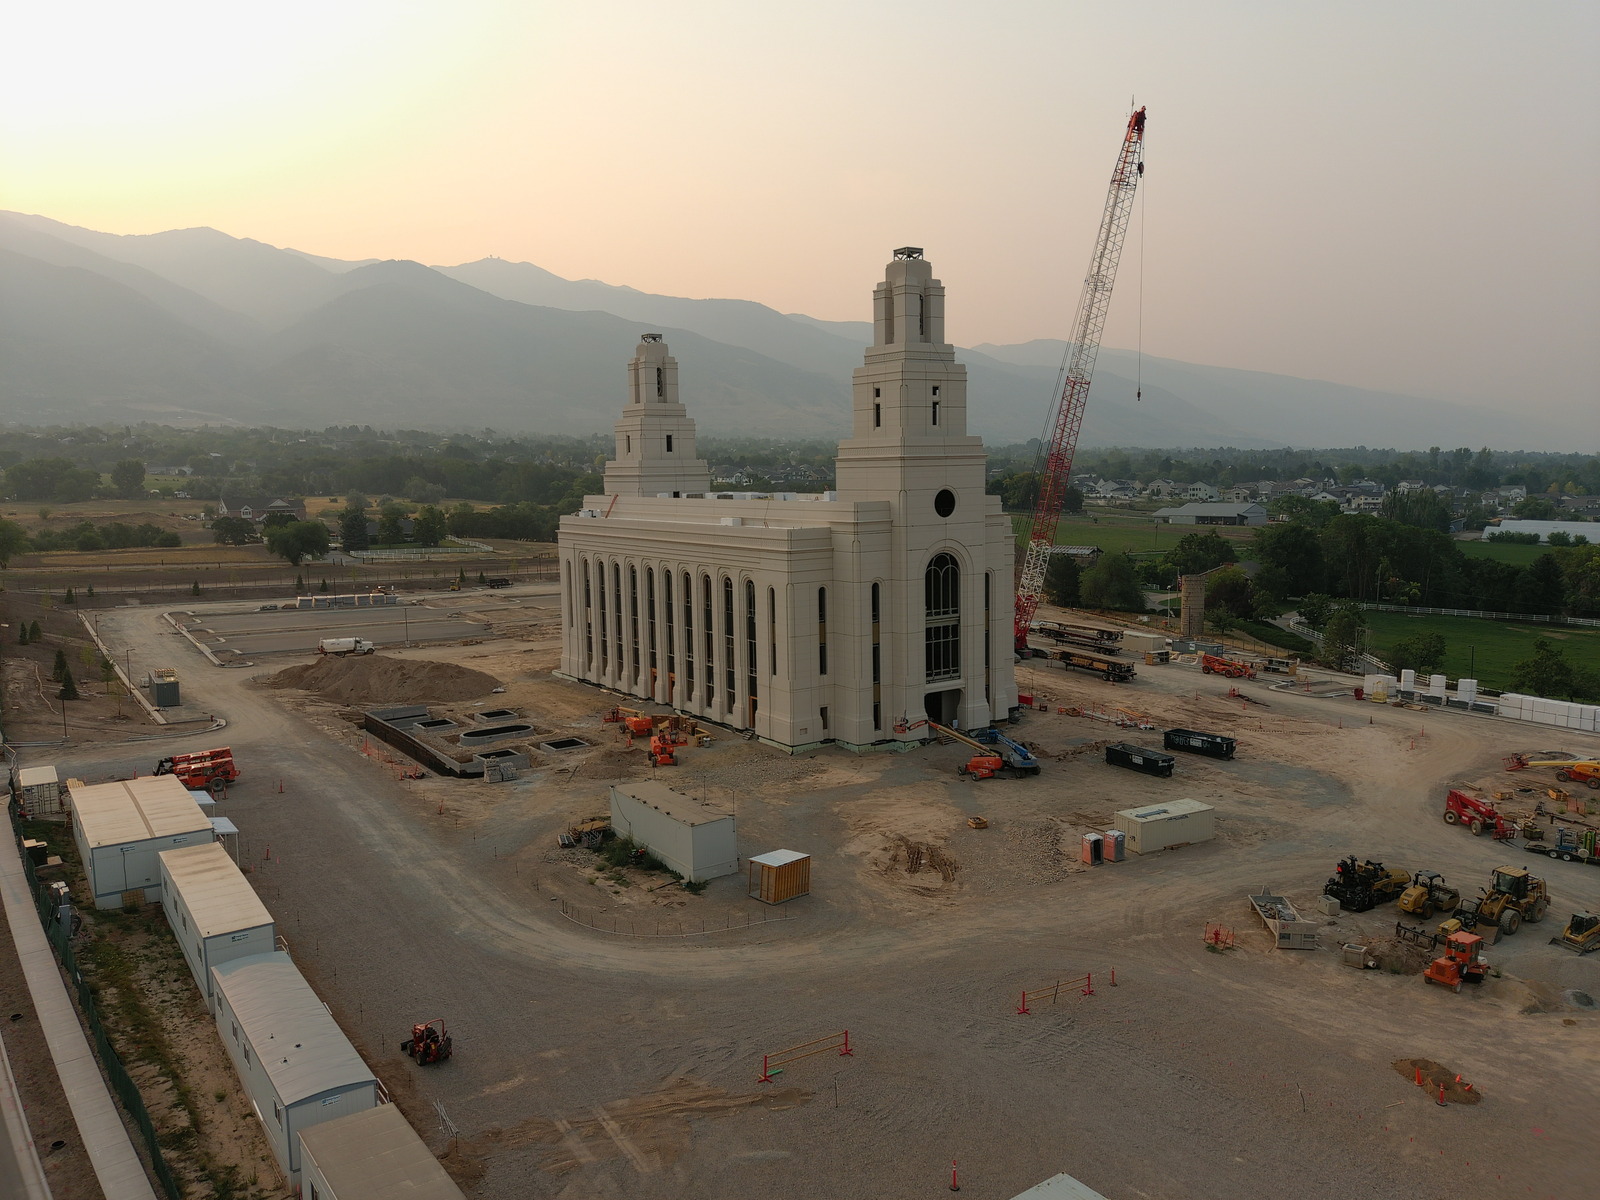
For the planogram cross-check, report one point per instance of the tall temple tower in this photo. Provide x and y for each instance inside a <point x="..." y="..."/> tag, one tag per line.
<point x="950" y="586"/>
<point x="655" y="452"/>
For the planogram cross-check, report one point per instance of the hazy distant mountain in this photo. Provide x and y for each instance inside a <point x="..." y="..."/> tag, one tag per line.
<point x="271" y="286"/>
<point x="75" y="345"/>
<point x="196" y="325"/>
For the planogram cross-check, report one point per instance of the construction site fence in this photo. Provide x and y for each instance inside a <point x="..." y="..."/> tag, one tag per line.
<point x="773" y="1064"/>
<point x="659" y="927"/>
<point x="60" y="938"/>
<point x="1538" y="618"/>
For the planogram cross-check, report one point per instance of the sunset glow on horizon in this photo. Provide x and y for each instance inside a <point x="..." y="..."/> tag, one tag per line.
<point x="1396" y="198"/>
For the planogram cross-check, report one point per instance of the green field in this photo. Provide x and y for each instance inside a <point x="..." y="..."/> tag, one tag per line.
<point x="1114" y="532"/>
<point x="1514" y="553"/>
<point x="1485" y="650"/>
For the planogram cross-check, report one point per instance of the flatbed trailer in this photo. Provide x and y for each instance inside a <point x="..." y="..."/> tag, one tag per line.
<point x="1568" y="846"/>
<point x="1101" y="664"/>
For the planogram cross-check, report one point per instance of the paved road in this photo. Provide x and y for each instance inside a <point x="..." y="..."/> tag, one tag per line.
<point x="297" y="631"/>
<point x="397" y="915"/>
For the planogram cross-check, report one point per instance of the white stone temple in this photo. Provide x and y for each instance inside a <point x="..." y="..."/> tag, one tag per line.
<point x="847" y="617"/>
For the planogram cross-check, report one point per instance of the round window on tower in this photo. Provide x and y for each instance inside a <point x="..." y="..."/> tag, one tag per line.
<point x="945" y="502"/>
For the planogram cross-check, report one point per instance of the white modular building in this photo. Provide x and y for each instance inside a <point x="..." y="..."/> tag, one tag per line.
<point x="214" y="912"/>
<point x="371" y="1155"/>
<point x="1165" y="826"/>
<point x="692" y="836"/>
<point x="122" y="828"/>
<point x="294" y="1061"/>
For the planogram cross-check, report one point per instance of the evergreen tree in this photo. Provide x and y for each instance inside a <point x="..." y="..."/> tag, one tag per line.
<point x="91" y="591"/>
<point x="353" y="528"/>
<point x="1112" y="583"/>
<point x="69" y="689"/>
<point x="323" y="586"/>
<point x="33" y="632"/>
<point x="59" y="672"/>
<point x="69" y="598"/>
<point x="299" y="585"/>
<point x="1061" y="581"/>
<point x="194" y="588"/>
<point x="482" y="579"/>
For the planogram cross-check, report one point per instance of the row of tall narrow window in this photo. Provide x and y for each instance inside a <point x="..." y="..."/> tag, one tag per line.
<point x="941" y="639"/>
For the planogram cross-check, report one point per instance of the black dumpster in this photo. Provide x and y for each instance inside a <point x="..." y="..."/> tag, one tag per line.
<point x="1213" y="744"/>
<point x="1137" y="758"/>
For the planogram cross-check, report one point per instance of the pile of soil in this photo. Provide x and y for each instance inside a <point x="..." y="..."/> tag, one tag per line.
<point x="374" y="679"/>
<point x="1456" y="1089"/>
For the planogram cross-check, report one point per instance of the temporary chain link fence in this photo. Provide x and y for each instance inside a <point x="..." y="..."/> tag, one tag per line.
<point x="60" y="937"/>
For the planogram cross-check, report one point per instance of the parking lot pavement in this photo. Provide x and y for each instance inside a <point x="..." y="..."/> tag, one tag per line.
<point x="297" y="631"/>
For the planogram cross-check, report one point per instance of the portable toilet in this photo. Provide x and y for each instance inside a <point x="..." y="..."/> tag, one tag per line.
<point x="1093" y="849"/>
<point x="1112" y="847"/>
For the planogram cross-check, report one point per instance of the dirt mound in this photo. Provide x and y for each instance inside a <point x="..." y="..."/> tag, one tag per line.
<point x="374" y="679"/>
<point x="1456" y="1089"/>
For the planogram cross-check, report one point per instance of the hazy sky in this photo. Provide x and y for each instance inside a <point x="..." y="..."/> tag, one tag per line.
<point x="1400" y="194"/>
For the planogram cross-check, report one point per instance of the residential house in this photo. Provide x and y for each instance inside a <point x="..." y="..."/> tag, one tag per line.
<point x="1201" y="491"/>
<point x="1161" y="489"/>
<point x="1241" y="494"/>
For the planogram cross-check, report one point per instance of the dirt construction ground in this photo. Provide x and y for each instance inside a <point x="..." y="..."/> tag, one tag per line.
<point x="595" y="1064"/>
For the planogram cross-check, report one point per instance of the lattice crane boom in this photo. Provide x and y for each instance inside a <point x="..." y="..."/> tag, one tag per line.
<point x="1077" y="372"/>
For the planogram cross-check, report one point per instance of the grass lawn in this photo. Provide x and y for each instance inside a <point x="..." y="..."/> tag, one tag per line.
<point x="1121" y="531"/>
<point x="1485" y="650"/>
<point x="1508" y="552"/>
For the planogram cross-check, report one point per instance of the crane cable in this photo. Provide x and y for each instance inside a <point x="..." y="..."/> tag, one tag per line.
<point x="1138" y="354"/>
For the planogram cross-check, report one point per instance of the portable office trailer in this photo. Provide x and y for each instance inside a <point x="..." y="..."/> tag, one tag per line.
<point x="39" y="789"/>
<point x="693" y="837"/>
<point x="121" y="828"/>
<point x="1060" y="1187"/>
<point x="1213" y="744"/>
<point x="371" y="1155"/>
<point x="780" y="875"/>
<point x="214" y="912"/>
<point x="1137" y="758"/>
<point x="294" y="1061"/>
<point x="1165" y="826"/>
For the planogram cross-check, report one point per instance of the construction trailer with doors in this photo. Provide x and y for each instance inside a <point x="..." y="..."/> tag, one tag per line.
<point x="295" y="1063"/>
<point x="122" y="828"/>
<point x="371" y="1155"/>
<point x="693" y="837"/>
<point x="214" y="912"/>
<point x="1166" y="826"/>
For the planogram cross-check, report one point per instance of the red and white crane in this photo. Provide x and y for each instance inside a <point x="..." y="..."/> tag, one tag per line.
<point x="1077" y="372"/>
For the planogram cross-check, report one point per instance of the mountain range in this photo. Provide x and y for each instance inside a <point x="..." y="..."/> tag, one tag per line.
<point x="194" y="325"/>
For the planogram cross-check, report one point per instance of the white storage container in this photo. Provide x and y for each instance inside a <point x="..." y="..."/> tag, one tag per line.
<point x="1164" y="826"/>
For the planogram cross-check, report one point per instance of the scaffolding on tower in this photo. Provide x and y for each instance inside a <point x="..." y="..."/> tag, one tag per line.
<point x="1076" y="373"/>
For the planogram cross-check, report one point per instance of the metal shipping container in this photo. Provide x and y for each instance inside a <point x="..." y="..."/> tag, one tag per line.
<point x="1213" y="744"/>
<point x="1163" y="826"/>
<point x="1137" y="758"/>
